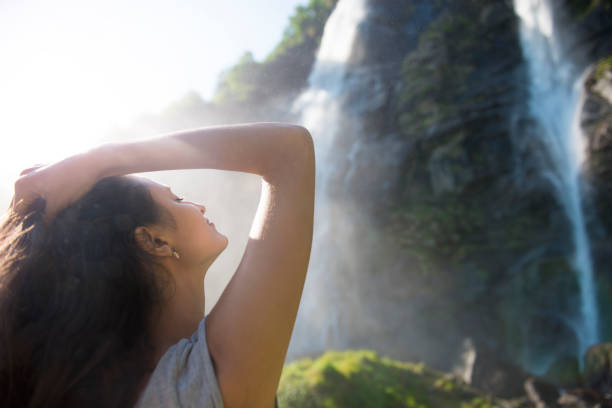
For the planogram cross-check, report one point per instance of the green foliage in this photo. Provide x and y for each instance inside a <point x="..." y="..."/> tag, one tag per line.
<point x="286" y="68"/>
<point x="435" y="75"/>
<point x="239" y="82"/>
<point x="460" y="232"/>
<point x="441" y="90"/>
<point x="360" y="378"/>
<point x="603" y="65"/>
<point x="436" y="227"/>
<point x="306" y="25"/>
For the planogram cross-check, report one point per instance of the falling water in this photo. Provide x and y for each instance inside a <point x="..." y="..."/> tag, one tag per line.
<point x="555" y="99"/>
<point x="318" y="326"/>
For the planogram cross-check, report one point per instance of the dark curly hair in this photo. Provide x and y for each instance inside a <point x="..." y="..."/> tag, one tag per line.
<point x="77" y="300"/>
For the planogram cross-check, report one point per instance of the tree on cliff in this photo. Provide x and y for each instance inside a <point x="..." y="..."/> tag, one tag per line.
<point x="286" y="68"/>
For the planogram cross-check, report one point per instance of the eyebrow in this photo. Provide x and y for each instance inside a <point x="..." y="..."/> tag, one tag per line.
<point x="171" y="192"/>
<point x="168" y="189"/>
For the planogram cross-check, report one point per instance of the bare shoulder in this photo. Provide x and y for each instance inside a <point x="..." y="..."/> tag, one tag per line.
<point x="249" y="328"/>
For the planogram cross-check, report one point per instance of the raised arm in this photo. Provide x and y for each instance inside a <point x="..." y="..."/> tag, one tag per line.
<point x="249" y="329"/>
<point x="250" y="326"/>
<point x="265" y="149"/>
<point x="259" y="148"/>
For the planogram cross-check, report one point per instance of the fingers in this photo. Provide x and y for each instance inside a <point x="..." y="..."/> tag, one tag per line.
<point x="31" y="169"/>
<point x="24" y="195"/>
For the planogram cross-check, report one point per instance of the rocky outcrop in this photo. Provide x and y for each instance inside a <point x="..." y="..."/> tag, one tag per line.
<point x="471" y="228"/>
<point x="598" y="369"/>
<point x="595" y="387"/>
<point x="596" y="122"/>
<point x="438" y="149"/>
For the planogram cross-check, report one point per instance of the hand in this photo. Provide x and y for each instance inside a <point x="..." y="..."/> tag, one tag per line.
<point x="59" y="184"/>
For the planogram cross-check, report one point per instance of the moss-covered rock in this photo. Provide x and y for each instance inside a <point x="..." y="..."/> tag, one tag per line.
<point x="361" y="378"/>
<point x="597" y="367"/>
<point x="603" y="65"/>
<point x="473" y="211"/>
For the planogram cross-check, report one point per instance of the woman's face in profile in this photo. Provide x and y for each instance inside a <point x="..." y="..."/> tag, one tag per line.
<point x="196" y="240"/>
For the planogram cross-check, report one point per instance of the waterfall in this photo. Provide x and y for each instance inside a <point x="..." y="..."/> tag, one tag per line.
<point x="555" y="100"/>
<point x="319" y="324"/>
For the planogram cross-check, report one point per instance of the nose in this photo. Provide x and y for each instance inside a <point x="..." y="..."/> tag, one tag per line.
<point x="202" y="208"/>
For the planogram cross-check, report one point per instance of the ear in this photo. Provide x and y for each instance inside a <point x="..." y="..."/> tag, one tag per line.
<point x="148" y="240"/>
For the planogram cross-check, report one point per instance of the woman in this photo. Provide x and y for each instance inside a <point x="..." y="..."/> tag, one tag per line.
<point x="101" y="278"/>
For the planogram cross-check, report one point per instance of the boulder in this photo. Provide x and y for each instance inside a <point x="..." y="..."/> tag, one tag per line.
<point x="598" y="368"/>
<point x="497" y="377"/>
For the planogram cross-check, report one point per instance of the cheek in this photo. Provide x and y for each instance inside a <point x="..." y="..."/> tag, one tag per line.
<point x="190" y="221"/>
<point x="198" y="233"/>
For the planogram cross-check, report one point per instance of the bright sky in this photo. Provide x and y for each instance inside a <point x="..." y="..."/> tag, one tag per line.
<point x="70" y="69"/>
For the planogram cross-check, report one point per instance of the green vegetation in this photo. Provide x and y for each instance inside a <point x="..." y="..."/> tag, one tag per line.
<point x="239" y="82"/>
<point x="454" y="228"/>
<point x="305" y="27"/>
<point x="286" y="68"/>
<point x="436" y="228"/>
<point x="445" y="212"/>
<point x="360" y="378"/>
<point x="433" y="78"/>
<point x="603" y="65"/>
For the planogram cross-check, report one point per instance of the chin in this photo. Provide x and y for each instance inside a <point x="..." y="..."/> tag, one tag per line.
<point x="224" y="245"/>
<point x="224" y="239"/>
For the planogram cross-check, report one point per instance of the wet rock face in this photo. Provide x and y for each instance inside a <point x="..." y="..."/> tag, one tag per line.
<point x="596" y="121"/>
<point x="439" y="150"/>
<point x="602" y="85"/>
<point x="595" y="389"/>
<point x="369" y="130"/>
<point x="449" y="167"/>
<point x="442" y="85"/>
<point x="598" y="368"/>
<point x="427" y="74"/>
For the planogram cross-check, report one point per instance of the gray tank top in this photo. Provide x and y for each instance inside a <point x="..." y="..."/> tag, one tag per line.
<point x="184" y="377"/>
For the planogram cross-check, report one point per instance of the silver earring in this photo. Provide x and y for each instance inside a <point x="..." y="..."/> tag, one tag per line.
<point x="175" y="254"/>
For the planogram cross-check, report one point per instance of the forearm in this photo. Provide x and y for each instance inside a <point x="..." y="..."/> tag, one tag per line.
<point x="259" y="148"/>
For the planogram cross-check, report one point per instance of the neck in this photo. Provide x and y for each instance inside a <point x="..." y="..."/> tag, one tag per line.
<point x="182" y="312"/>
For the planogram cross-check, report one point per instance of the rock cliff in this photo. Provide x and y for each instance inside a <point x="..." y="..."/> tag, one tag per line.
<point x="473" y="242"/>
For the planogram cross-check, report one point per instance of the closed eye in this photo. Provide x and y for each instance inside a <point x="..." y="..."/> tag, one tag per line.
<point x="179" y="199"/>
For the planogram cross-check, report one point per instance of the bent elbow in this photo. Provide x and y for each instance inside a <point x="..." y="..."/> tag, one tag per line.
<point x="307" y="148"/>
